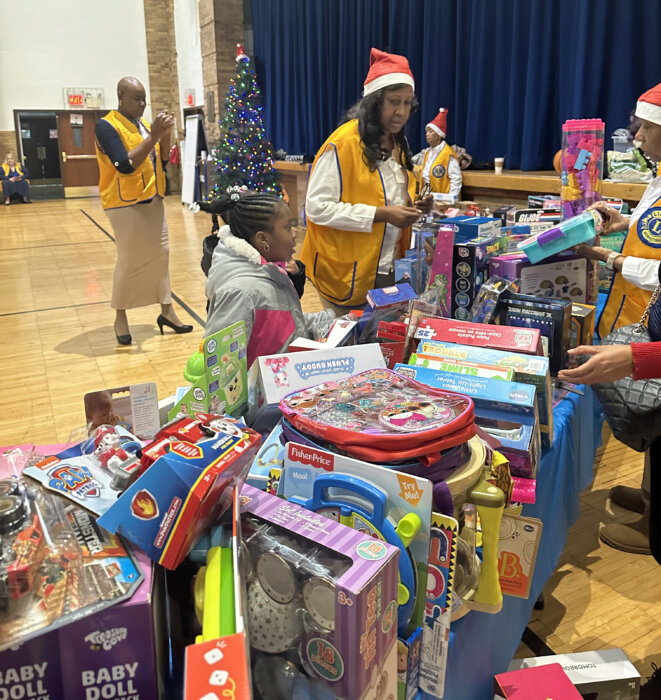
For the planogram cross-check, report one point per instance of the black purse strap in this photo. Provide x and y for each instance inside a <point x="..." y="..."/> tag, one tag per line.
<point x="646" y="313"/>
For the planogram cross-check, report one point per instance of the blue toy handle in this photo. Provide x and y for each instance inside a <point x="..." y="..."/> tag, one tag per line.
<point x="373" y="495"/>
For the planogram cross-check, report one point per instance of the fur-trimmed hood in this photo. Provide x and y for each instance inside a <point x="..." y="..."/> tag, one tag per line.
<point x="239" y="246"/>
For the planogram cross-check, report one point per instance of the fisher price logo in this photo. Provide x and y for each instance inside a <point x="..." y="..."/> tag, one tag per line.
<point x="106" y="639"/>
<point x="308" y="455"/>
<point x="74" y="480"/>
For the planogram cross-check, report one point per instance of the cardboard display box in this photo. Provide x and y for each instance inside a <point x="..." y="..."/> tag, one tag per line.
<point x="273" y="376"/>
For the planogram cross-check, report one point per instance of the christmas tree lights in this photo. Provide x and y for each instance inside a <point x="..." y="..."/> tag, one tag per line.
<point x="244" y="156"/>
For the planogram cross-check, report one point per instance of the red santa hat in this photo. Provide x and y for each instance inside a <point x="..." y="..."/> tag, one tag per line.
<point x="648" y="106"/>
<point x="439" y="123"/>
<point x="387" y="69"/>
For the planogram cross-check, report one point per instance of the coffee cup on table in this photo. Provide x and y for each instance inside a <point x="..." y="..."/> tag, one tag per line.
<point x="498" y="165"/>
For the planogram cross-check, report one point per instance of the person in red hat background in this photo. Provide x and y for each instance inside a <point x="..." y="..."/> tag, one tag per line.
<point x="440" y="167"/>
<point x="639" y="268"/>
<point x="360" y="200"/>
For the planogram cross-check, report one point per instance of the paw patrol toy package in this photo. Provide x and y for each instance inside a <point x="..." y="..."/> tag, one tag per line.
<point x="193" y="463"/>
<point x="321" y="601"/>
<point x="273" y="376"/>
<point x="218" y="374"/>
<point x="93" y="472"/>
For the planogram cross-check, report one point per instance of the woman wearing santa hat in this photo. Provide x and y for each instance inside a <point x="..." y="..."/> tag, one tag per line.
<point x="639" y="265"/>
<point x="359" y="205"/>
<point x="440" y="167"/>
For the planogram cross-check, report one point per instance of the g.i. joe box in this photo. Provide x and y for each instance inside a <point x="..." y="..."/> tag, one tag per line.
<point x="185" y="489"/>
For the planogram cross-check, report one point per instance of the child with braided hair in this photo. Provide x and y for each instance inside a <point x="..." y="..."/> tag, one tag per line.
<point x="248" y="278"/>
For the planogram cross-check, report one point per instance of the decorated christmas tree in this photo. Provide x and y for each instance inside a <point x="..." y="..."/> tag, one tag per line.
<point x="244" y="156"/>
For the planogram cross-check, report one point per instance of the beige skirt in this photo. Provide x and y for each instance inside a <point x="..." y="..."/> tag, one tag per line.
<point x="142" y="275"/>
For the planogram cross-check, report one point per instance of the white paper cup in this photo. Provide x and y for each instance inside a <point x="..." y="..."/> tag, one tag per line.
<point x="498" y="165"/>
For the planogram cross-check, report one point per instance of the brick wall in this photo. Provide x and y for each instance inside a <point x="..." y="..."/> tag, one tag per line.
<point x="221" y="28"/>
<point x="7" y="144"/>
<point x="162" y="58"/>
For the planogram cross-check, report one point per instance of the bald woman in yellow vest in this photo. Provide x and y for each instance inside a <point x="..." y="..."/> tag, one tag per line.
<point x="131" y="155"/>
<point x="360" y="200"/>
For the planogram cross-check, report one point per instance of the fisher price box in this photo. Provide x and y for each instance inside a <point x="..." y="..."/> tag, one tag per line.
<point x="274" y="376"/>
<point x="107" y="655"/>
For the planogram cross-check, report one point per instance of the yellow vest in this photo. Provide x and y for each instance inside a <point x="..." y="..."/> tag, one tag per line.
<point x="6" y="168"/>
<point x="439" y="180"/>
<point x="626" y="302"/>
<point x="144" y="183"/>
<point x="343" y="264"/>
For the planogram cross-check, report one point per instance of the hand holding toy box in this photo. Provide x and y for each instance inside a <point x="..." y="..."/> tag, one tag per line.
<point x="186" y="489"/>
<point x="323" y="592"/>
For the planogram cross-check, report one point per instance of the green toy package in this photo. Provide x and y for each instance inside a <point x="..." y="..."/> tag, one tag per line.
<point x="218" y="374"/>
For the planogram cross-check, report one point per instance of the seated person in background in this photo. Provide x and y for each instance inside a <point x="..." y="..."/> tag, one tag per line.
<point x="248" y="279"/>
<point x="14" y="180"/>
<point x="440" y="167"/>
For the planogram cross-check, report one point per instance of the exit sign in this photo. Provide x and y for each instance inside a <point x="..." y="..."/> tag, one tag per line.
<point x="76" y="100"/>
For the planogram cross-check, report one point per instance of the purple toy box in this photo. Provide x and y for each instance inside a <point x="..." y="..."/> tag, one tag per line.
<point x="350" y="643"/>
<point x="107" y="655"/>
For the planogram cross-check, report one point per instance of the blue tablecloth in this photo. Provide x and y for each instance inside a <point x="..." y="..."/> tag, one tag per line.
<point x="483" y="645"/>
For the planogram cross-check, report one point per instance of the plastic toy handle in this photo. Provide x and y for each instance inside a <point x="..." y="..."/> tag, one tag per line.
<point x="218" y="607"/>
<point x="228" y="616"/>
<point x="488" y="596"/>
<point x="408" y="528"/>
<point x="546" y="237"/>
<point x="368" y="492"/>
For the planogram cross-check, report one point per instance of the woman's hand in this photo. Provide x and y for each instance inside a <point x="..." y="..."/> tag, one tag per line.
<point x="399" y="216"/>
<point x="424" y="205"/>
<point x="613" y="220"/>
<point x="162" y="124"/>
<point x="607" y="364"/>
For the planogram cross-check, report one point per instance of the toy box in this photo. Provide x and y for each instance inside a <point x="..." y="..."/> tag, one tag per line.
<point x="582" y="325"/>
<point x="536" y="683"/>
<point x="447" y="364"/>
<point x="440" y="276"/>
<point x="483" y="335"/>
<point x="606" y="674"/>
<point x="505" y="214"/>
<point x="506" y="410"/>
<point x="324" y="593"/>
<point x="563" y="277"/>
<point x="133" y="407"/>
<point x="469" y="269"/>
<point x="186" y="488"/>
<point x="551" y="316"/>
<point x="388" y="296"/>
<point x="527" y="370"/>
<point x="544" y="201"/>
<point x="380" y="501"/>
<point x="471" y="227"/>
<point x="538" y="219"/>
<point x="274" y="376"/>
<point x="517" y="553"/>
<point x="110" y="654"/>
<point x="218" y="375"/>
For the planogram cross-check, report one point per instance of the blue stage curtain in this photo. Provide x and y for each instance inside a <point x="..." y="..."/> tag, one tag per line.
<point x="510" y="71"/>
<point x="311" y="59"/>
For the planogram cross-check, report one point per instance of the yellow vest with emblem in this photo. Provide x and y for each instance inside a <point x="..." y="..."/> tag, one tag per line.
<point x="439" y="180"/>
<point x="144" y="183"/>
<point x="343" y="264"/>
<point x="626" y="302"/>
<point x="6" y="168"/>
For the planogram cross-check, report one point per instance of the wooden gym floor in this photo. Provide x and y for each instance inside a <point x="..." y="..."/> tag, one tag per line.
<point x="56" y="326"/>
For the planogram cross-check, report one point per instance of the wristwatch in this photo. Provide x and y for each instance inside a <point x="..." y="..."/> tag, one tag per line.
<point x="611" y="259"/>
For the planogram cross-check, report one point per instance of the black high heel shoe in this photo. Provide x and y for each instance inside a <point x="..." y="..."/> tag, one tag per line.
<point x="123" y="339"/>
<point x="162" y="321"/>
